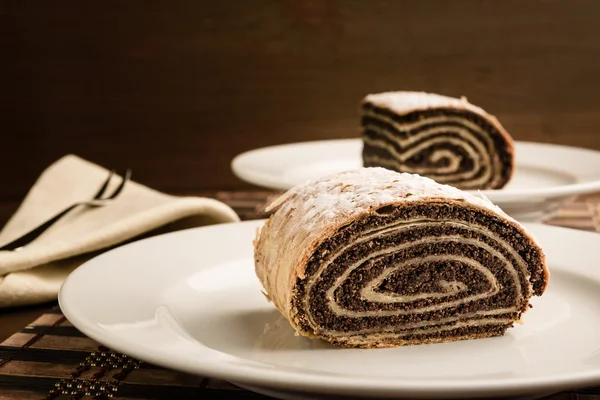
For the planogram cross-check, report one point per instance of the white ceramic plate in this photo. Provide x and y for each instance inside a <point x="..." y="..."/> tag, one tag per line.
<point x="545" y="174"/>
<point x="190" y="301"/>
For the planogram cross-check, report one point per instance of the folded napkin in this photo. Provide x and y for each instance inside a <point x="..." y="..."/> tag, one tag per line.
<point x="35" y="273"/>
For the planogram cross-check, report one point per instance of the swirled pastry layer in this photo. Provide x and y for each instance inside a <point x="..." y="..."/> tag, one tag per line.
<point x="376" y="258"/>
<point x="446" y="139"/>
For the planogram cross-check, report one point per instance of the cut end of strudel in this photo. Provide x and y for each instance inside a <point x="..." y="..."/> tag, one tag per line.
<point x="375" y="258"/>
<point x="444" y="138"/>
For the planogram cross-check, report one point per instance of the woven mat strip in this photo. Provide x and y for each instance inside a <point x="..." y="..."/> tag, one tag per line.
<point x="50" y="359"/>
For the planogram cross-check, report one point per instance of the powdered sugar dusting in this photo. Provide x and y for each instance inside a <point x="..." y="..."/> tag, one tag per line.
<point x="349" y="193"/>
<point x="403" y="102"/>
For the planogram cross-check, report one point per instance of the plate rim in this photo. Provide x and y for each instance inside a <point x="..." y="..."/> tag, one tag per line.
<point x="505" y="195"/>
<point x="342" y="384"/>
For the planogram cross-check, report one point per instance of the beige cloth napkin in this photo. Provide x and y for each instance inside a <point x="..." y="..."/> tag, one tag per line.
<point x="35" y="273"/>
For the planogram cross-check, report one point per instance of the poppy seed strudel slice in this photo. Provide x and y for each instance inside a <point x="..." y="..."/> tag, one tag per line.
<point x="444" y="138"/>
<point x="375" y="258"/>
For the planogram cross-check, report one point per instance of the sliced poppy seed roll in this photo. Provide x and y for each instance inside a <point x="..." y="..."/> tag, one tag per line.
<point x="444" y="138"/>
<point x="375" y="258"/>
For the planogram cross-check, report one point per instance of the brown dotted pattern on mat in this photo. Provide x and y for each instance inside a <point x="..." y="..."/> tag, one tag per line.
<point x="107" y="361"/>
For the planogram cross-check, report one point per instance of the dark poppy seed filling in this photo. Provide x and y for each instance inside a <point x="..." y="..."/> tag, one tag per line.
<point x="426" y="263"/>
<point x="444" y="139"/>
<point x="435" y="270"/>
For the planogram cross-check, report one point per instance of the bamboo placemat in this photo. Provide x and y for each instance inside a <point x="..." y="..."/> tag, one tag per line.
<point x="51" y="359"/>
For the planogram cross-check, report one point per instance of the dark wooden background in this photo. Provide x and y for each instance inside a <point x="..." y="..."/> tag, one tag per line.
<point x="176" y="89"/>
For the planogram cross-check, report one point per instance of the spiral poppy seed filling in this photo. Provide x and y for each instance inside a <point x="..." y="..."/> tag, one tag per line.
<point x="422" y="269"/>
<point x="407" y="274"/>
<point x="442" y="138"/>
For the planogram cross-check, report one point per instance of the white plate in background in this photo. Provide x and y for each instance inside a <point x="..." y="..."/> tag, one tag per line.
<point x="546" y="175"/>
<point x="190" y="301"/>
